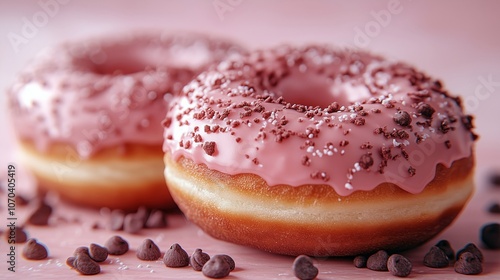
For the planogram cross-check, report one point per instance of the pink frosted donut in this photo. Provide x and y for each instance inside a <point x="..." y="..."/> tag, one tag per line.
<point x="88" y="114"/>
<point x="318" y="151"/>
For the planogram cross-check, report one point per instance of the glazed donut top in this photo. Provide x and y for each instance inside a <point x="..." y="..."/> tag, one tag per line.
<point x="108" y="91"/>
<point x="315" y="115"/>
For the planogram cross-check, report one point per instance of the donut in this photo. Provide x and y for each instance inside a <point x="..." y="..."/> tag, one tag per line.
<point x="87" y="114"/>
<point x="318" y="151"/>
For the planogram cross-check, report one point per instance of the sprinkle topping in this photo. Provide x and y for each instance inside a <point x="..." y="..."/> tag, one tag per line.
<point x="316" y="115"/>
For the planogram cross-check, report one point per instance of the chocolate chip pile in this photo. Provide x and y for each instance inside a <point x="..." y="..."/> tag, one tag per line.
<point x="134" y="222"/>
<point x="85" y="260"/>
<point x="396" y="264"/>
<point x="468" y="260"/>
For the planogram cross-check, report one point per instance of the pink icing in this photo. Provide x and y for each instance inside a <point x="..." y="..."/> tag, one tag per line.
<point x="107" y="92"/>
<point x="248" y="108"/>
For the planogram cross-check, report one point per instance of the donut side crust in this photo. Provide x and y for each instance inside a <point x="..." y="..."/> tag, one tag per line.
<point x="124" y="177"/>
<point x="313" y="219"/>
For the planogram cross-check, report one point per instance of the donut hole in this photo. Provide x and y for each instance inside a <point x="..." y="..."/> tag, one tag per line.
<point x="311" y="89"/>
<point x="120" y="60"/>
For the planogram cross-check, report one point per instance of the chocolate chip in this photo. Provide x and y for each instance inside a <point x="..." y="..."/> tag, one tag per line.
<point x="216" y="267"/>
<point x="471" y="248"/>
<point x="70" y="261"/>
<point x="399" y="265"/>
<point x="495" y="179"/>
<point x="81" y="250"/>
<point x="21" y="200"/>
<point x="228" y="259"/>
<point x="142" y="214"/>
<point x="412" y="171"/>
<point x="378" y="261"/>
<point x="85" y="265"/>
<point x="116" y="245"/>
<point x="490" y="235"/>
<point x="176" y="257"/>
<point x="34" y="250"/>
<point x="209" y="148"/>
<point x="425" y="110"/>
<point x="447" y="249"/>
<point x="467" y="121"/>
<point x="20" y="235"/>
<point x="366" y="161"/>
<point x="133" y="223"/>
<point x="97" y="252"/>
<point x="156" y="220"/>
<point x="116" y="220"/>
<point x="402" y="118"/>
<point x="360" y="261"/>
<point x="41" y="215"/>
<point x="303" y="268"/>
<point x="468" y="264"/>
<point x="148" y="251"/>
<point x="198" y="259"/>
<point x="436" y="258"/>
<point x="494" y="208"/>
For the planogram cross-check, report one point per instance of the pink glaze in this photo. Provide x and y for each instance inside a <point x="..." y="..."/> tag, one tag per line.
<point x="107" y="92"/>
<point x="248" y="108"/>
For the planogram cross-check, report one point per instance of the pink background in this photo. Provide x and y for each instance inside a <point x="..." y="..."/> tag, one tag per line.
<point x="456" y="41"/>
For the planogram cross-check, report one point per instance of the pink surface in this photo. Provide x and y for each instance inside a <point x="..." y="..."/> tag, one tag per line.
<point x="454" y="41"/>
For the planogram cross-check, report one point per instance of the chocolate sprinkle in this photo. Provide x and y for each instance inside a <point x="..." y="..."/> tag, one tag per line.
<point x="97" y="252"/>
<point x="34" y="250"/>
<point x="378" y="261"/>
<point x="436" y="258"/>
<point x="490" y="235"/>
<point x="198" y="259"/>
<point x="116" y="245"/>
<point x="468" y="264"/>
<point x="176" y="257"/>
<point x="425" y="110"/>
<point x="209" y="148"/>
<point x="303" y="268"/>
<point x="148" y="251"/>
<point x="399" y="265"/>
<point x="216" y="267"/>
<point x="366" y="161"/>
<point x="402" y="118"/>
